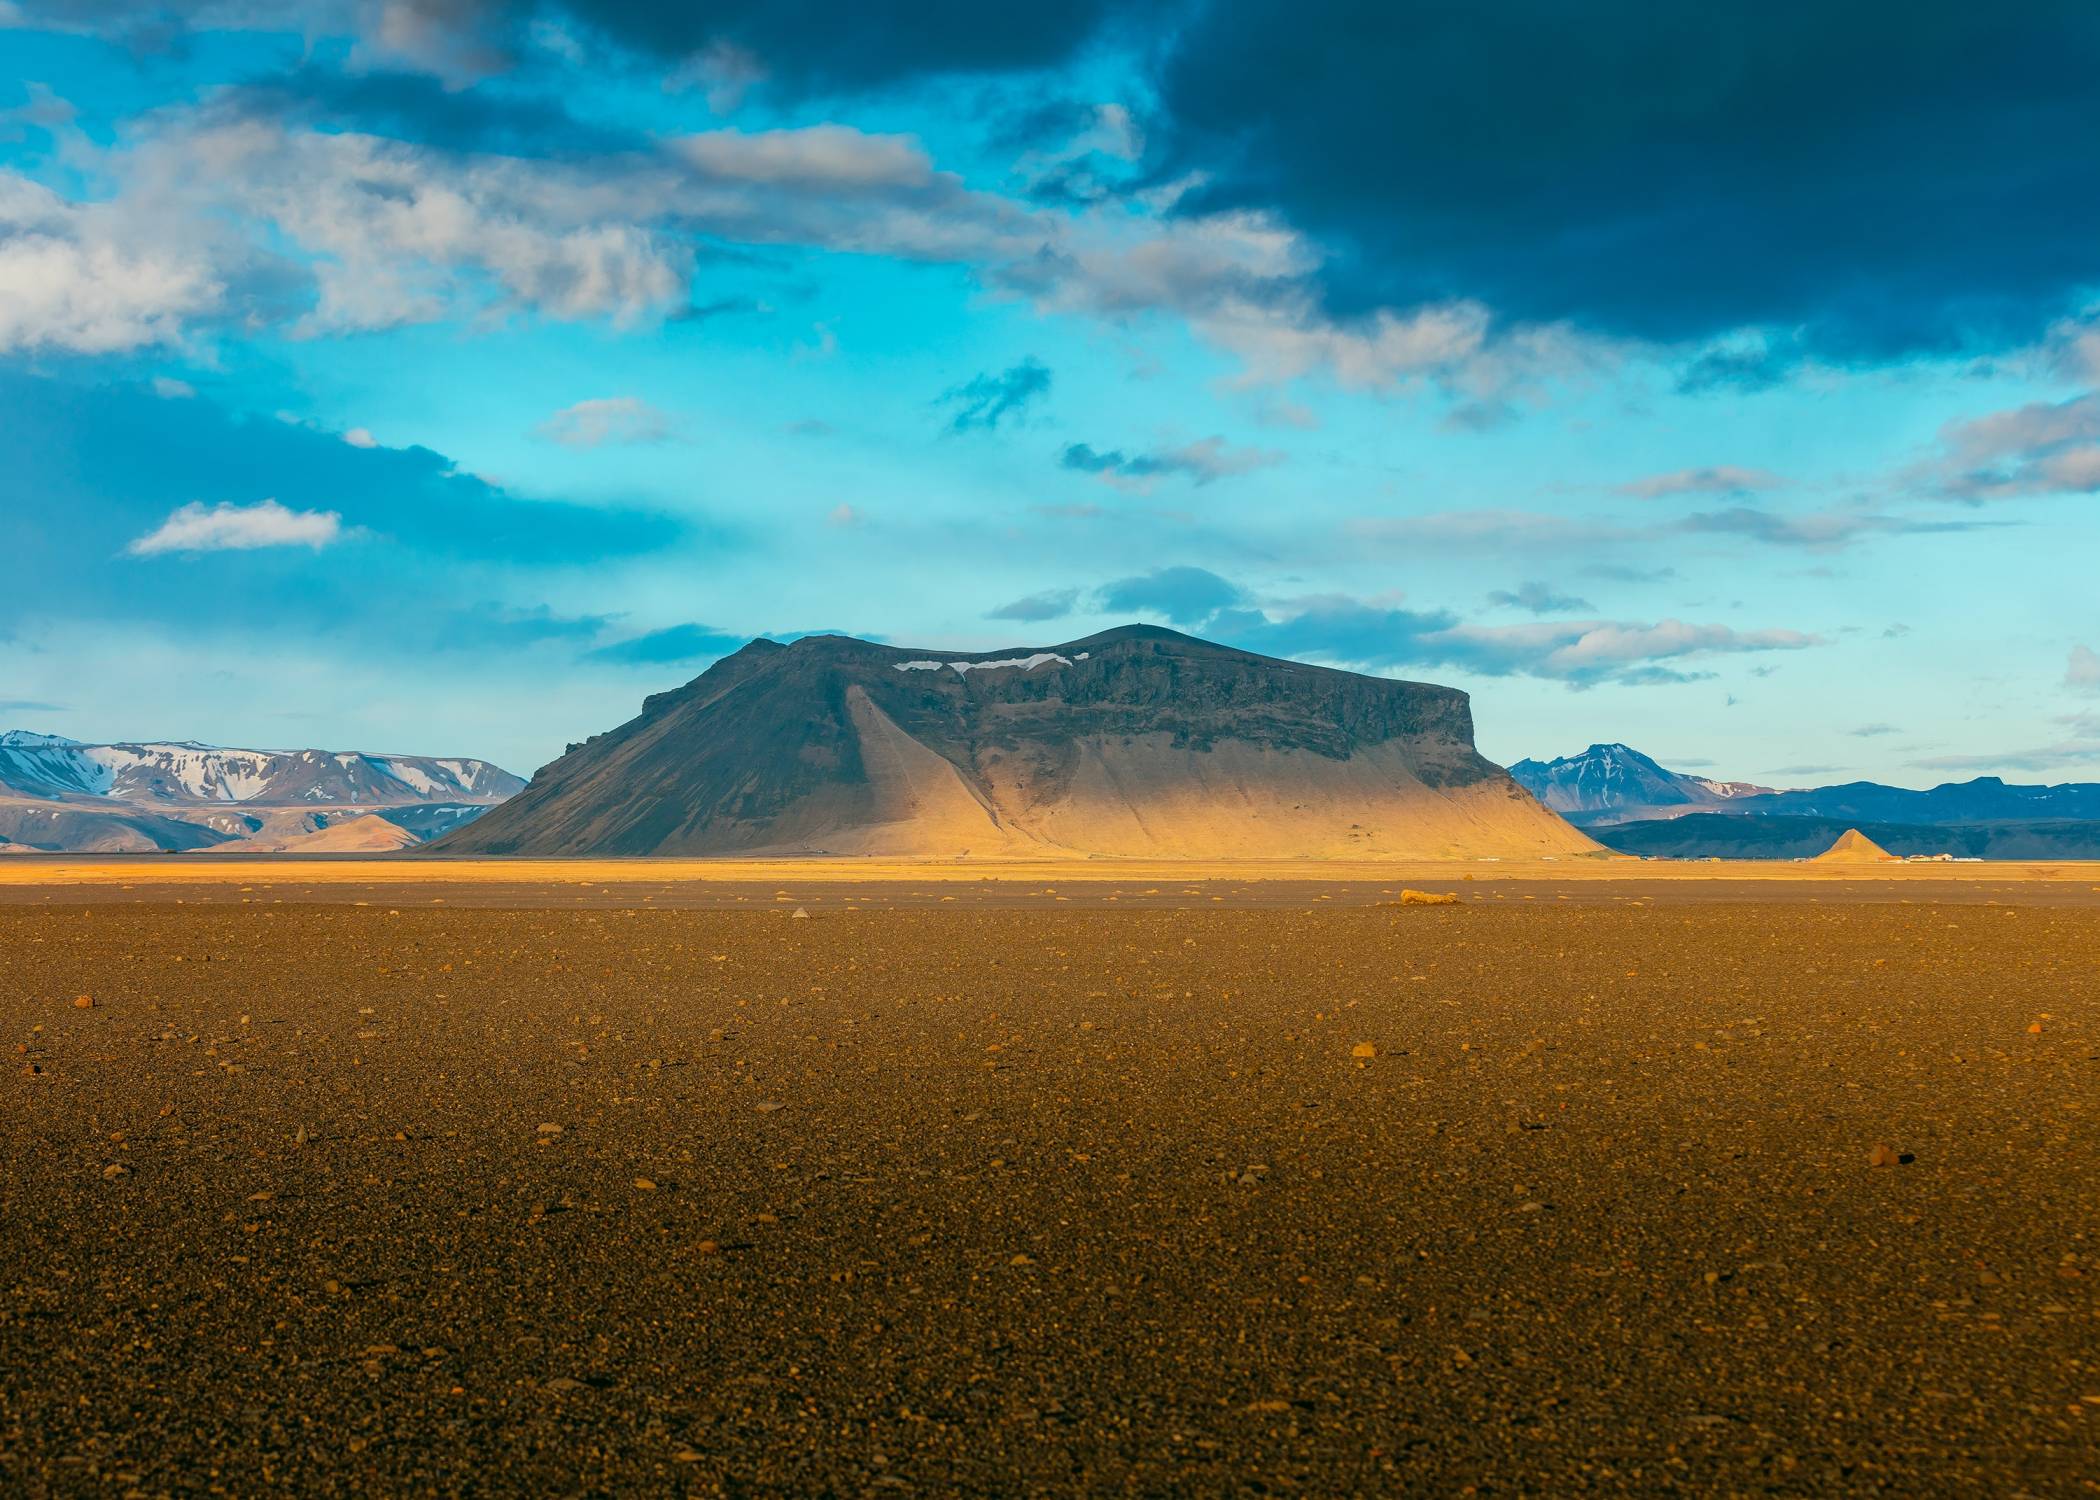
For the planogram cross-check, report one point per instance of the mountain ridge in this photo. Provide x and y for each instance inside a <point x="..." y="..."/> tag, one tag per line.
<point x="60" y="795"/>
<point x="1596" y="789"/>
<point x="50" y="765"/>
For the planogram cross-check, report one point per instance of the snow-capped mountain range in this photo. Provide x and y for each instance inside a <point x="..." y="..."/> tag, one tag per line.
<point x="183" y="772"/>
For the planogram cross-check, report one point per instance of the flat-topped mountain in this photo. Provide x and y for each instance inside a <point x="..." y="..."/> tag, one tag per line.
<point x="1137" y="741"/>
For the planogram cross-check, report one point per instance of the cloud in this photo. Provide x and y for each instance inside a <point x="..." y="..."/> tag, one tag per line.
<point x="1873" y="731"/>
<point x="116" y="465"/>
<point x="2082" y="671"/>
<point x="1739" y="366"/>
<point x="623" y="420"/>
<point x="1500" y="532"/>
<point x="1539" y="599"/>
<point x="983" y="401"/>
<point x="1722" y="479"/>
<point x="1382" y="634"/>
<point x="95" y="278"/>
<point x="360" y="437"/>
<point x="2034" y="758"/>
<point x="1824" y="531"/>
<point x="227" y="527"/>
<point x="1579" y="652"/>
<point x="1621" y="573"/>
<point x="29" y="706"/>
<point x="1603" y="649"/>
<point x="1050" y="604"/>
<point x="672" y="644"/>
<point x="2043" y="448"/>
<point x="818" y="156"/>
<point x="1395" y="214"/>
<point x="824" y="48"/>
<point x="1200" y="463"/>
<point x="237" y="210"/>
<point x="1186" y="596"/>
<point x="1491" y="530"/>
<point x="1594" y="166"/>
<point x="510" y="626"/>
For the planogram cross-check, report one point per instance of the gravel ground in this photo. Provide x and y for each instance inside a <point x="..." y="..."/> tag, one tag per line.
<point x="1252" y="1196"/>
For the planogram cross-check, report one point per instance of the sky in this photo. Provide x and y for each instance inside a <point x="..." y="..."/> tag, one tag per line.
<point x="445" y="376"/>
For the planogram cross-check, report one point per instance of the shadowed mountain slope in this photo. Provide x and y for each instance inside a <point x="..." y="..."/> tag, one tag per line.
<point x="1137" y="741"/>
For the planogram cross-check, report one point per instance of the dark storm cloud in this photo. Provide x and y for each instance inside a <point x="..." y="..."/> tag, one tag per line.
<point x="1854" y="182"/>
<point x="821" y="45"/>
<point x="419" y="107"/>
<point x="1890" y="175"/>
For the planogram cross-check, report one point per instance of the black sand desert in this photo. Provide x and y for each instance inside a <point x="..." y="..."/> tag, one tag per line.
<point x="474" y="1184"/>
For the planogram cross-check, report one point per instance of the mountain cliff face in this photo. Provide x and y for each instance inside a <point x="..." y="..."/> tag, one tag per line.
<point x="1137" y="741"/>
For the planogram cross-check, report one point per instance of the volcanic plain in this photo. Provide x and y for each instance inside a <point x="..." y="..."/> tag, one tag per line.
<point x="394" y="1178"/>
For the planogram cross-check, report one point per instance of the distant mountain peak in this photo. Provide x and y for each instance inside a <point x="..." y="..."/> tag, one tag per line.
<point x="1612" y="782"/>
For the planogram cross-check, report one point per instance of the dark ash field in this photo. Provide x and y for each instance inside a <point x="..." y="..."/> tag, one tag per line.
<point x="499" y="1191"/>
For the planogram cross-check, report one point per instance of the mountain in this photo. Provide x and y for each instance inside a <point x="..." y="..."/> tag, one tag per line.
<point x="49" y="765"/>
<point x="60" y="795"/>
<point x="1854" y="848"/>
<point x="1612" y="783"/>
<point x="1609" y="784"/>
<point x="1726" y="836"/>
<point x="1137" y="741"/>
<point x="1983" y="800"/>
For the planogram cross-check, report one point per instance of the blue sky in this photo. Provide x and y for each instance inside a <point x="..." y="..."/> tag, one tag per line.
<point x="446" y="375"/>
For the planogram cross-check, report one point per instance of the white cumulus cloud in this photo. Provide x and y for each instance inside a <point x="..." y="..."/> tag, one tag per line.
<point x="227" y="527"/>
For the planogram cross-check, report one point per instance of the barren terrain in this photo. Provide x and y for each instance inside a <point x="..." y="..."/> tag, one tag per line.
<point x="400" y="1176"/>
